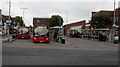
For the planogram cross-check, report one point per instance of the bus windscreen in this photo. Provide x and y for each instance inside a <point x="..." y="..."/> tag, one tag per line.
<point x="40" y="32"/>
<point x="23" y="30"/>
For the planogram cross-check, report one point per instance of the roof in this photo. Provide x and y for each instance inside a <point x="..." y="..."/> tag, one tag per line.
<point x="75" y="22"/>
<point x="107" y="12"/>
<point x="56" y="27"/>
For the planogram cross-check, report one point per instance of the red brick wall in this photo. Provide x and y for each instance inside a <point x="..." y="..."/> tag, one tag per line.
<point x="109" y="13"/>
<point x="67" y="27"/>
<point x="117" y="13"/>
<point x="41" y="21"/>
<point x="0" y="11"/>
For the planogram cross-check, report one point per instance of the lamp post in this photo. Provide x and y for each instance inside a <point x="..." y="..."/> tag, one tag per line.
<point x="23" y="12"/>
<point x="9" y="17"/>
<point x="114" y="14"/>
<point x="112" y="33"/>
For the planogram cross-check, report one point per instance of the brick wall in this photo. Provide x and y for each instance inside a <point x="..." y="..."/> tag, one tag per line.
<point x="67" y="27"/>
<point x="0" y="14"/>
<point x="41" y="21"/>
<point x="117" y="13"/>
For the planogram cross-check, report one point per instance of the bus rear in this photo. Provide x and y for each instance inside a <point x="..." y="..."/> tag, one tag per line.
<point x="41" y="34"/>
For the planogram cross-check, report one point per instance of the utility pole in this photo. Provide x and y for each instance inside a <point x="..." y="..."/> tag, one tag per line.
<point x="112" y="33"/>
<point x="114" y="14"/>
<point x="23" y="13"/>
<point x="9" y="17"/>
<point x="66" y="16"/>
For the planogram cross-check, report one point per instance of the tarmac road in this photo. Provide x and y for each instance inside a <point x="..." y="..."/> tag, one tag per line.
<point x="25" y="52"/>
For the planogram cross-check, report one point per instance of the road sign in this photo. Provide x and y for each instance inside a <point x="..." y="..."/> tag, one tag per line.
<point x="8" y="21"/>
<point x="114" y="27"/>
<point x="8" y="26"/>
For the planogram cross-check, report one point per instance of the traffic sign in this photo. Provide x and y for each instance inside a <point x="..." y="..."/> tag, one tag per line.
<point x="114" y="27"/>
<point x="8" y="26"/>
<point x="8" y="21"/>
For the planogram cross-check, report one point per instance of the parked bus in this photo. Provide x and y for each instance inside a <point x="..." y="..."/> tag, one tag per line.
<point x="41" y="34"/>
<point x="23" y="32"/>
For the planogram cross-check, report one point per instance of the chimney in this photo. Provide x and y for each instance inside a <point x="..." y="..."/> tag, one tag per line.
<point x="0" y="11"/>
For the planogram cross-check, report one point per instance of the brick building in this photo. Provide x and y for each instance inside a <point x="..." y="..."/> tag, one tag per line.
<point x="117" y="13"/>
<point x="73" y="26"/>
<point x="110" y="14"/>
<point x="1" y="23"/>
<point x="41" y="21"/>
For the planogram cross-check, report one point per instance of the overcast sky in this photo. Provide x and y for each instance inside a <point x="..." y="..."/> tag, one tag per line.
<point x="77" y="9"/>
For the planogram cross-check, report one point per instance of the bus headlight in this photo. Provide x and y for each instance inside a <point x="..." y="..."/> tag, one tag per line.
<point x="35" y="38"/>
<point x="47" y="38"/>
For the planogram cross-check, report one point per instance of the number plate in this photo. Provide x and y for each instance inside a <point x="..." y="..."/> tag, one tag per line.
<point x="40" y="41"/>
<point x="23" y="37"/>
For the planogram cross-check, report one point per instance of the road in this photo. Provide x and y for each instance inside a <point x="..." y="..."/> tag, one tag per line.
<point x="80" y="52"/>
<point x="0" y="50"/>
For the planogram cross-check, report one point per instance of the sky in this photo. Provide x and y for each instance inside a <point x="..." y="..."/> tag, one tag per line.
<point x="70" y="10"/>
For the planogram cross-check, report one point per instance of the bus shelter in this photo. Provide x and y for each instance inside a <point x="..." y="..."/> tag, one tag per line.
<point x="59" y="31"/>
<point x="94" y="33"/>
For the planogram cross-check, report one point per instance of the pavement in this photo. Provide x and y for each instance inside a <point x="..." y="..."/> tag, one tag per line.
<point x="71" y="43"/>
<point x="67" y="43"/>
<point x="76" y="51"/>
<point x="5" y="38"/>
<point x="94" y="40"/>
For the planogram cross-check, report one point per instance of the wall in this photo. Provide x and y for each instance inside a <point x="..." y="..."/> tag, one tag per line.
<point x="67" y="27"/>
<point x="41" y="21"/>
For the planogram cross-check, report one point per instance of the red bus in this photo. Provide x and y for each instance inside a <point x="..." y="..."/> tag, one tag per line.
<point x="41" y="34"/>
<point x="23" y="32"/>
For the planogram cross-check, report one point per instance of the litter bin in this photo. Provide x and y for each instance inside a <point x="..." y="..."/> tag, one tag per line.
<point x="13" y="36"/>
<point x="116" y="40"/>
<point x="63" y="40"/>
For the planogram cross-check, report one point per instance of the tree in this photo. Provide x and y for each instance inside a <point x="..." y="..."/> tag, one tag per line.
<point x="56" y="20"/>
<point x="19" y="21"/>
<point x="30" y="26"/>
<point x="101" y="21"/>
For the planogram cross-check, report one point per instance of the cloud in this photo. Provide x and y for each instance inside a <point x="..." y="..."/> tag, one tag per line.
<point x="77" y="10"/>
<point x="61" y="0"/>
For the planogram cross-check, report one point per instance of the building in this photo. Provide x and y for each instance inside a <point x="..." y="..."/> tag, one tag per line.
<point x="1" y="23"/>
<point x="87" y="26"/>
<point x="4" y="21"/>
<point x="117" y="16"/>
<point x="110" y="14"/>
<point x="104" y="12"/>
<point x="41" y="21"/>
<point x="73" y="26"/>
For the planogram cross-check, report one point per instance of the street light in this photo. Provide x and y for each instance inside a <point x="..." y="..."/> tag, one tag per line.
<point x="9" y="17"/>
<point x="23" y="12"/>
<point x="114" y="14"/>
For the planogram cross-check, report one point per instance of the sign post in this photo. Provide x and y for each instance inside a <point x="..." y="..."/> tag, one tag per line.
<point x="8" y="29"/>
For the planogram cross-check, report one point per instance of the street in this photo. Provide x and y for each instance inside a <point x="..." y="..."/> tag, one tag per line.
<point x="0" y="50"/>
<point x="78" y="52"/>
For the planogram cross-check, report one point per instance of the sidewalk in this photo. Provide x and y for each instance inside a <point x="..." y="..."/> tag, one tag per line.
<point x="57" y="43"/>
<point x="5" y="38"/>
<point x="95" y="40"/>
